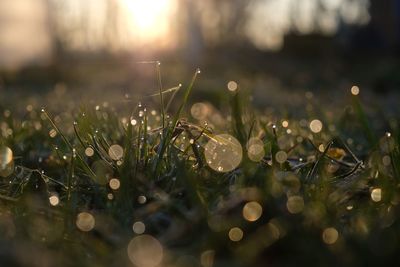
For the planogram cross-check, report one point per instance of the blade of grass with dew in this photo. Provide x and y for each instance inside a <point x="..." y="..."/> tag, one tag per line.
<point x="185" y="175"/>
<point x="270" y="142"/>
<point x="124" y="198"/>
<point x="195" y="149"/>
<point x="237" y="122"/>
<point x="158" y="70"/>
<point x="364" y="120"/>
<point x="166" y="91"/>
<point x="99" y="150"/>
<point x="311" y="174"/>
<point x="144" y="144"/>
<point x="68" y="223"/>
<point x="170" y="128"/>
<point x="78" y="135"/>
<point x="393" y="158"/>
<point x="172" y="97"/>
<point x="81" y="161"/>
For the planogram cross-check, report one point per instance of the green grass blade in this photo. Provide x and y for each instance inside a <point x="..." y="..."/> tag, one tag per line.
<point x="166" y="138"/>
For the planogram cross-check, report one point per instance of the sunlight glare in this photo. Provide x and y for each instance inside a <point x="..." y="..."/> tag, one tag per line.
<point x="149" y="18"/>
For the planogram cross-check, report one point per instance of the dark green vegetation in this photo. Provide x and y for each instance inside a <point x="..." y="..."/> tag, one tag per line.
<point x="329" y="195"/>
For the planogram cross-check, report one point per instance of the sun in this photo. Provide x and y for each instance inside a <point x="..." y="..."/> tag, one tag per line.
<point x="149" y="19"/>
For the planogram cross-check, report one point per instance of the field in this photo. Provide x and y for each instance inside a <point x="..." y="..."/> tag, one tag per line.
<point x="179" y="178"/>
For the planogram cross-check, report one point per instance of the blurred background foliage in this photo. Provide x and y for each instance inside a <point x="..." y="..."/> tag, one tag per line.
<point x="288" y="44"/>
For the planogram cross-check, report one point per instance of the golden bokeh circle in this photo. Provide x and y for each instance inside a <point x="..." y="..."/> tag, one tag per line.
<point x="316" y="126"/>
<point x="252" y="211"/>
<point x="376" y="194"/>
<point x="6" y="156"/>
<point x="295" y="204"/>
<point x="85" y="221"/>
<point x="255" y="149"/>
<point x="116" y="152"/>
<point x="235" y="234"/>
<point x="145" y="251"/>
<point x="330" y="235"/>
<point x="223" y="153"/>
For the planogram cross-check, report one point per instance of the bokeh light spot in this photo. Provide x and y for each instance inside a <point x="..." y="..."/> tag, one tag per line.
<point x="376" y="194"/>
<point x="52" y="133"/>
<point x="281" y="157"/>
<point x="316" y="126"/>
<point x="200" y="111"/>
<point x="145" y="251"/>
<point x="295" y="204"/>
<point x="139" y="228"/>
<point x="255" y="149"/>
<point x="89" y="151"/>
<point x="6" y="156"/>
<point x="355" y="90"/>
<point x="54" y="200"/>
<point x="141" y="199"/>
<point x="85" y="221"/>
<point x="330" y="235"/>
<point x="235" y="234"/>
<point x="252" y="211"/>
<point x="223" y="153"/>
<point x="207" y="258"/>
<point x="116" y="152"/>
<point x="114" y="184"/>
<point x="232" y="86"/>
<point x="6" y="161"/>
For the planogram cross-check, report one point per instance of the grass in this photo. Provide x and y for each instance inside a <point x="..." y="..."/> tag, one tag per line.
<point x="329" y="197"/>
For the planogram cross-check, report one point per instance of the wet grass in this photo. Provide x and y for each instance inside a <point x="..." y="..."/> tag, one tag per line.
<point x="329" y="195"/>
